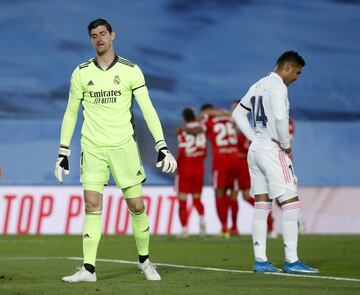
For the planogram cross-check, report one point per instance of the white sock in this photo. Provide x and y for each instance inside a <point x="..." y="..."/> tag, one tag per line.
<point x="290" y="214"/>
<point x="202" y="219"/>
<point x="259" y="229"/>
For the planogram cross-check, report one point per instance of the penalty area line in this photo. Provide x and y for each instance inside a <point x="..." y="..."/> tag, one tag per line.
<point x="187" y="267"/>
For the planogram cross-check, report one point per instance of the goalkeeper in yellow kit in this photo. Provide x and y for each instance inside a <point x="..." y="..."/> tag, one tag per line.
<point x="105" y="86"/>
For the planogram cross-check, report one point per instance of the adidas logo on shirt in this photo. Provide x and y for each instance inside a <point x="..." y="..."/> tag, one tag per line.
<point x="139" y="173"/>
<point x="90" y="83"/>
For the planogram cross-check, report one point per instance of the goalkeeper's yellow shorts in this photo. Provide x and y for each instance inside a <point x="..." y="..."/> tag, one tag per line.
<point x="124" y="163"/>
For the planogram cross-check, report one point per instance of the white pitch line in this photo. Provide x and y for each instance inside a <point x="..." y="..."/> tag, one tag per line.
<point x="226" y="270"/>
<point x="188" y="267"/>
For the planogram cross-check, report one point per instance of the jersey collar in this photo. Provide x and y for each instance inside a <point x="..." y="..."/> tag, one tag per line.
<point x="273" y="74"/>
<point x="110" y="66"/>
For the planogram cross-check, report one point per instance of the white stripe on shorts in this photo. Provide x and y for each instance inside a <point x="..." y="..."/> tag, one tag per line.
<point x="284" y="166"/>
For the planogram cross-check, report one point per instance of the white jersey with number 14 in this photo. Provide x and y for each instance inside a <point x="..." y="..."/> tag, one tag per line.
<point x="268" y="102"/>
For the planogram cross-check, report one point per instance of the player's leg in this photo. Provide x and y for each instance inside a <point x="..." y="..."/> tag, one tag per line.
<point x="220" y="201"/>
<point x="233" y="173"/>
<point x="290" y="207"/>
<point x="94" y="174"/>
<point x="270" y="220"/>
<point x="91" y="236"/>
<point x="222" y="210"/>
<point x="290" y="214"/>
<point x="221" y="182"/>
<point x="183" y="214"/>
<point x="182" y="187"/>
<point x="234" y="207"/>
<point x="284" y="189"/>
<point x="244" y="185"/>
<point x="262" y="208"/>
<point x="139" y="220"/>
<point x="196" y="184"/>
<point x="141" y="230"/>
<point x="129" y="175"/>
<point x="244" y="181"/>
<point x="201" y="211"/>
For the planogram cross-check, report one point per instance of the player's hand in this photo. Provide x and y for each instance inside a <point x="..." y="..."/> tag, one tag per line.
<point x="165" y="158"/>
<point x="62" y="163"/>
<point x="1" y="172"/>
<point x="287" y="150"/>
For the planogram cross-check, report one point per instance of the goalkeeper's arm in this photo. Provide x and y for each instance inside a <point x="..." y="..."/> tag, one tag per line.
<point x="67" y="131"/>
<point x="165" y="158"/>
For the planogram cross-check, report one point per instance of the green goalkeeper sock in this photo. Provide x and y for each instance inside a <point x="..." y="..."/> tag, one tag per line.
<point x="140" y="228"/>
<point x="91" y="236"/>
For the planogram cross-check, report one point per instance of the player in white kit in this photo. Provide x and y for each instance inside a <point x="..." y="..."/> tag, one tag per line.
<point x="271" y="169"/>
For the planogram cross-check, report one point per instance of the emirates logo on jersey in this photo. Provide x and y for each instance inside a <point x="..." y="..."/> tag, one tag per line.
<point x="117" y="80"/>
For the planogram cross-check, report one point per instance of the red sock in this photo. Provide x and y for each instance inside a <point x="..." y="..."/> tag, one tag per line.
<point x="220" y="204"/>
<point x="199" y="206"/>
<point x="270" y="223"/>
<point x="222" y="208"/>
<point x="226" y="211"/>
<point x="234" y="205"/>
<point x="251" y="201"/>
<point x="182" y="212"/>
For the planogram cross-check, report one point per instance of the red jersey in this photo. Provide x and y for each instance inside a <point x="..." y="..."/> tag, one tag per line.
<point x="191" y="156"/>
<point x="243" y="144"/>
<point x="190" y="145"/>
<point x="222" y="134"/>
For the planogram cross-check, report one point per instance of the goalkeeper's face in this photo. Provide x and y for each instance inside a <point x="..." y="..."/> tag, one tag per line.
<point x="101" y="39"/>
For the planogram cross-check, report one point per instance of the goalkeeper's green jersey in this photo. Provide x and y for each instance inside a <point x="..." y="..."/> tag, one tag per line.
<point x="107" y="100"/>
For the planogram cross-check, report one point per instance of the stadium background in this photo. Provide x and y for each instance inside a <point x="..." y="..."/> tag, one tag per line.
<point x="191" y="52"/>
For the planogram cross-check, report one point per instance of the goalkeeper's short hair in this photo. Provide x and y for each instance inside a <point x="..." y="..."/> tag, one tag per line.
<point x="99" y="22"/>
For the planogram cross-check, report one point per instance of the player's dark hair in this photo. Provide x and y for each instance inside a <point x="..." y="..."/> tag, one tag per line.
<point x="188" y="114"/>
<point x="292" y="57"/>
<point x="99" y="22"/>
<point x="206" y="106"/>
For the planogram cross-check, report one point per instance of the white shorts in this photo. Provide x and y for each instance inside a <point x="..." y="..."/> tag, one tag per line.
<point x="272" y="173"/>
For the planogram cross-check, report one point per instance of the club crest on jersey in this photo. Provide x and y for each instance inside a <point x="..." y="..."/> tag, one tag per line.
<point x="117" y="80"/>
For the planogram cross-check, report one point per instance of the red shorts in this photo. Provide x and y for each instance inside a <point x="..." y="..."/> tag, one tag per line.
<point x="243" y="178"/>
<point x="224" y="170"/>
<point x="190" y="175"/>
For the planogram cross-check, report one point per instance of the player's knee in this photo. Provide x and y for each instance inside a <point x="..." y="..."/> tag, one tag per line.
<point x="139" y="208"/>
<point x="290" y="211"/>
<point x="262" y="210"/>
<point x="287" y="198"/>
<point x="136" y="207"/>
<point x="92" y="205"/>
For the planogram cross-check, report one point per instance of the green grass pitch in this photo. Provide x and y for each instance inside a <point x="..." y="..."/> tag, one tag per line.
<point x="35" y="264"/>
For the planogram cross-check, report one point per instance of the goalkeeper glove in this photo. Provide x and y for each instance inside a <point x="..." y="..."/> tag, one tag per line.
<point x="62" y="163"/>
<point x="165" y="158"/>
